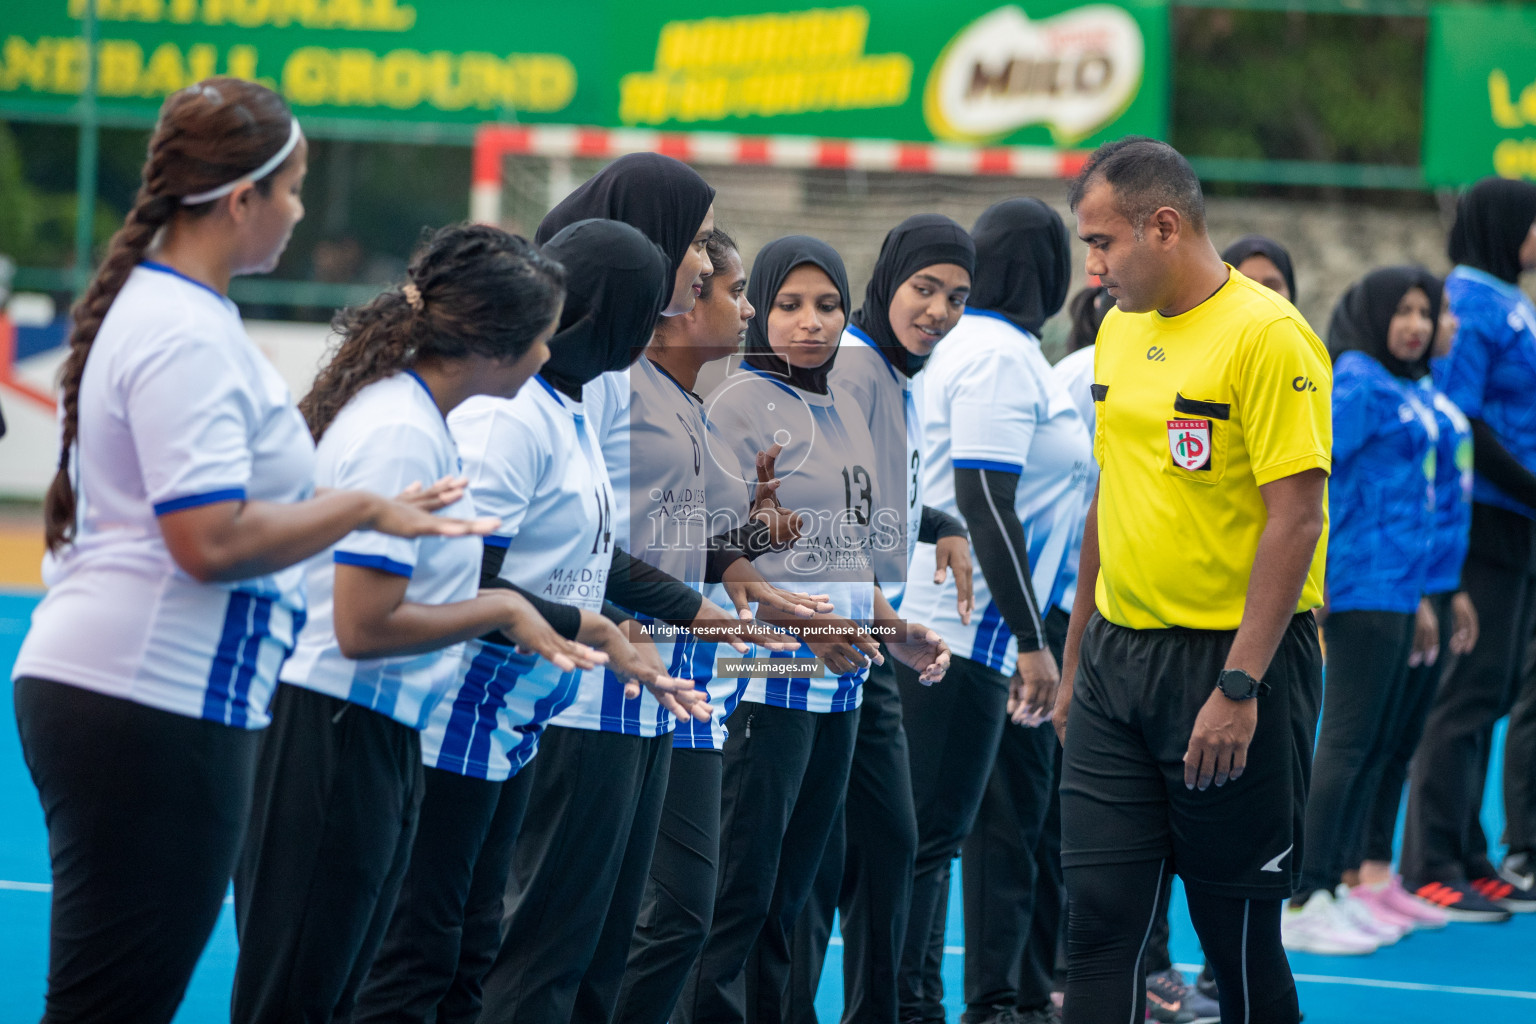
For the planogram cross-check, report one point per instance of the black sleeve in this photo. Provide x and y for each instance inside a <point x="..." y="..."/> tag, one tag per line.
<point x="721" y="557"/>
<point x="1499" y="467"/>
<point x="937" y="525"/>
<point x="637" y="586"/>
<point x="564" y="618"/>
<point x="753" y="540"/>
<point x="614" y="614"/>
<point x="985" y="499"/>
<point x="748" y="541"/>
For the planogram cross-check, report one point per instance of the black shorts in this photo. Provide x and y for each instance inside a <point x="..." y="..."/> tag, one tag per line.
<point x="1123" y="798"/>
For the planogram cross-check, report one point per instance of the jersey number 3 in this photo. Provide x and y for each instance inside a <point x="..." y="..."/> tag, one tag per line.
<point x="856" y="494"/>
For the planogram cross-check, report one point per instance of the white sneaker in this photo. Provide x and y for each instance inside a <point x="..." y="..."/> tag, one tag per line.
<point x="1360" y="916"/>
<point x="1318" y="927"/>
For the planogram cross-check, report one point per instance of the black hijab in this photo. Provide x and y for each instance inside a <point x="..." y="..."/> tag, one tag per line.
<point x="1492" y="220"/>
<point x="917" y="242"/>
<point x="1258" y="245"/>
<point x="615" y="278"/>
<point x="1023" y="265"/>
<point x="1364" y="314"/>
<point x="774" y="263"/>
<point x="665" y="198"/>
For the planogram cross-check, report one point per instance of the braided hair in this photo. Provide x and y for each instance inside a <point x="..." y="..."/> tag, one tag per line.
<point x="471" y="289"/>
<point x="207" y="135"/>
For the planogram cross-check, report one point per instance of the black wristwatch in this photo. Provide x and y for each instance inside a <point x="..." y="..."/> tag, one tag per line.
<point x="1235" y="684"/>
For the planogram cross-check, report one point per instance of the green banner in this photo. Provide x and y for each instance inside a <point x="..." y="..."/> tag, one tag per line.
<point x="1042" y="72"/>
<point x="1480" y="103"/>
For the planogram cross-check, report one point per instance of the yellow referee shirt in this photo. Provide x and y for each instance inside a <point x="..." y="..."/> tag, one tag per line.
<point x="1195" y="413"/>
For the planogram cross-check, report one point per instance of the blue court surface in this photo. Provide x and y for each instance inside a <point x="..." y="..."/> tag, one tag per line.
<point x="1466" y="973"/>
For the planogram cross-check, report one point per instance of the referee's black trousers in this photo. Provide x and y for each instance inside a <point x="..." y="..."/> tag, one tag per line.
<point x="679" y="901"/>
<point x="1367" y="672"/>
<point x="338" y="793"/>
<point x="1128" y="818"/>
<point x="447" y="923"/>
<point x="954" y="728"/>
<point x="785" y="775"/>
<point x="1010" y="875"/>
<point x="1442" y="841"/>
<point x="1113" y="909"/>
<point x="578" y="874"/>
<point x="145" y="812"/>
<point x="866" y="872"/>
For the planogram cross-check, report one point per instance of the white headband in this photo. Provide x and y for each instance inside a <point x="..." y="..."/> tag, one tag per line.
<point x="294" y="135"/>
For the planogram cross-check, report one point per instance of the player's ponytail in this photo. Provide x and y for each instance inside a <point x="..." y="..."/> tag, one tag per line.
<point x="207" y="136"/>
<point x="471" y="289"/>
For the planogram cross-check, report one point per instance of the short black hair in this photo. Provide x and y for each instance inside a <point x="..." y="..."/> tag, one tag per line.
<point x="1146" y="175"/>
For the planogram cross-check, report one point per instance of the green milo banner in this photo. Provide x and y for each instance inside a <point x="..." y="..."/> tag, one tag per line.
<point x="1042" y="72"/>
<point x="1480" y="102"/>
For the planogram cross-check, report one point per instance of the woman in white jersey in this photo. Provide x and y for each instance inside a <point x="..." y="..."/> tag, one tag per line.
<point x="786" y="769"/>
<point x="915" y="296"/>
<point x="182" y="505"/>
<point x="1007" y="450"/>
<point x="339" y="783"/>
<point x="580" y="865"/>
<point x="533" y="462"/>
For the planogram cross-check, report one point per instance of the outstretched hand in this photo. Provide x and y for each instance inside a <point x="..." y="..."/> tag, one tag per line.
<point x="409" y="514"/>
<point x="922" y="650"/>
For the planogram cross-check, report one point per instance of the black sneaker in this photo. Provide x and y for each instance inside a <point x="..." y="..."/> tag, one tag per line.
<point x="990" y="1015"/>
<point x="1048" y="1014"/>
<point x="1516" y="901"/>
<point x="1166" y="998"/>
<point x="1462" y="902"/>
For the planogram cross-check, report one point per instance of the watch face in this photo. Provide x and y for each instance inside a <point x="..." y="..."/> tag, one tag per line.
<point x="1237" y="685"/>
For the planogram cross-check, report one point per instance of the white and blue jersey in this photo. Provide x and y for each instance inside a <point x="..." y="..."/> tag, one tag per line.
<point x="533" y="462"/>
<point x="826" y="474"/>
<point x="993" y="403"/>
<point x="1075" y="372"/>
<point x="890" y="401"/>
<point x="389" y="436"/>
<point x="1453" y="491"/>
<point x="178" y="409"/>
<point x="1491" y="371"/>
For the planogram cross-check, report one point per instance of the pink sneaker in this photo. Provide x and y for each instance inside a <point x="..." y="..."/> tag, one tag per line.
<point x="1375" y="900"/>
<point x="1424" y="913"/>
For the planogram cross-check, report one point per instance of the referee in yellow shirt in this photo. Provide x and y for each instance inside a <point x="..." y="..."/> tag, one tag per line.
<point x="1192" y="671"/>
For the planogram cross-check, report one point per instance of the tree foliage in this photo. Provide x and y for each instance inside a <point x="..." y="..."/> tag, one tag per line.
<point x="1292" y="86"/>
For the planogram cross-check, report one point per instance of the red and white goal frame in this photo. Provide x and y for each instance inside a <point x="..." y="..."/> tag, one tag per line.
<point x="494" y="142"/>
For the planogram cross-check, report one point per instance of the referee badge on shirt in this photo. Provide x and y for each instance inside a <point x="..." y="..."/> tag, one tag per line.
<point x="1190" y="443"/>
